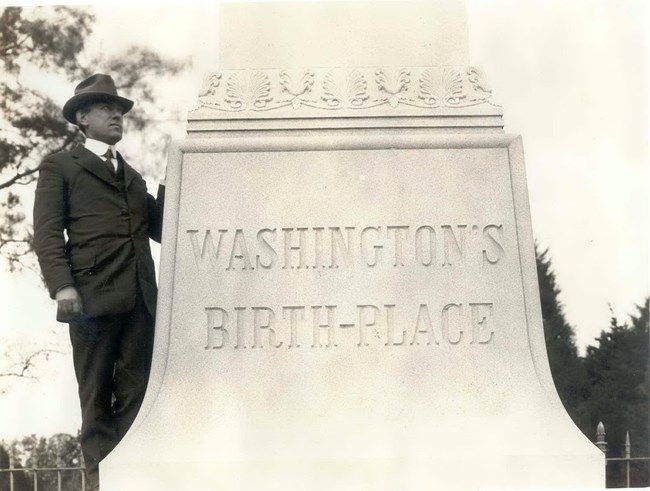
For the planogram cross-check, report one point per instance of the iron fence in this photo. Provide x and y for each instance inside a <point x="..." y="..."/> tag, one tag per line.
<point x="43" y="479"/>
<point x="615" y="476"/>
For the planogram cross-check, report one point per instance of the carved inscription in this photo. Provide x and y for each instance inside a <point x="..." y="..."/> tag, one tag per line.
<point x="295" y="249"/>
<point x="323" y="326"/>
<point x="372" y="246"/>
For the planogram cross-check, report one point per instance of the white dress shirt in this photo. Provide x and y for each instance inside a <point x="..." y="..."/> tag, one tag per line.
<point x="99" y="149"/>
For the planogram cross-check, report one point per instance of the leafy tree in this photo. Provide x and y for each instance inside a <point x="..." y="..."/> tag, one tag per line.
<point x="12" y="481"/>
<point x="59" y="450"/>
<point x="52" y="41"/>
<point x="566" y="366"/>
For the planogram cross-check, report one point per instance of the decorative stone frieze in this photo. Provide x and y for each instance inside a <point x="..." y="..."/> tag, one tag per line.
<point x="337" y="89"/>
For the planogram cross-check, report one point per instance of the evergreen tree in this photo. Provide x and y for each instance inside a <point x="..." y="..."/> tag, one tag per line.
<point x="566" y="367"/>
<point x="52" y="41"/>
<point x="617" y="392"/>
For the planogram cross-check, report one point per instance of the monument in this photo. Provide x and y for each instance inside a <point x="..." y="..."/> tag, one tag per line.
<point x="348" y="291"/>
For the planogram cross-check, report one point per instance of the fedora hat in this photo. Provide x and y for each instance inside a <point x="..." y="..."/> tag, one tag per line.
<point x="96" y="88"/>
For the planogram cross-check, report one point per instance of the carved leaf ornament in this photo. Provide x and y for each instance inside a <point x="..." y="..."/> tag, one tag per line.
<point x="344" y="88"/>
<point x="441" y="88"/>
<point x="296" y="88"/>
<point x="211" y="85"/>
<point x="393" y="85"/>
<point x="253" y="92"/>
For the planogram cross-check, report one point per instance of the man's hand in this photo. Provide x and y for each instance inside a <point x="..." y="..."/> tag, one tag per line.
<point x="68" y="301"/>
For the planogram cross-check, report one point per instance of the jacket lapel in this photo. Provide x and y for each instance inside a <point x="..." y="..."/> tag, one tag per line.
<point x="129" y="172"/>
<point x="93" y="164"/>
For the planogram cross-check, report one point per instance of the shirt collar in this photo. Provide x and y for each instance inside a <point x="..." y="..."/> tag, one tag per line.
<point x="98" y="147"/>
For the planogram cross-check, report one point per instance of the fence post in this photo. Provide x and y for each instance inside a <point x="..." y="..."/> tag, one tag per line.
<point x="11" y="476"/>
<point x="627" y="458"/>
<point x="600" y="438"/>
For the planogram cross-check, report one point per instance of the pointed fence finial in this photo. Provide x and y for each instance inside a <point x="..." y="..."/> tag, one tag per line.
<point x="600" y="438"/>
<point x="627" y="445"/>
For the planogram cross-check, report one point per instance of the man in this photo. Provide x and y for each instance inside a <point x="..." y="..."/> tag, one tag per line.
<point x="102" y="277"/>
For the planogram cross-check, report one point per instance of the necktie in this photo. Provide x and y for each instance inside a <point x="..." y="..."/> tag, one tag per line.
<point x="108" y="157"/>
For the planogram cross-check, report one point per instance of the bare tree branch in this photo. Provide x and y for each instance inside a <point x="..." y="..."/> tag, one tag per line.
<point x="17" y="177"/>
<point x="19" y="241"/>
<point x="21" y="370"/>
<point x="33" y="170"/>
<point x="16" y="44"/>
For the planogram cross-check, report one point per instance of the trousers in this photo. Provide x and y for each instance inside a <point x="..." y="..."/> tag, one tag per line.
<point x="112" y="361"/>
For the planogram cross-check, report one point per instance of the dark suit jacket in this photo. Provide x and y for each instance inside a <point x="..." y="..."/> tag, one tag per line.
<point x="106" y="255"/>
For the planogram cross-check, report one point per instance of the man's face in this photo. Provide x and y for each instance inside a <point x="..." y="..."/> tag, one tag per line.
<point x="103" y="122"/>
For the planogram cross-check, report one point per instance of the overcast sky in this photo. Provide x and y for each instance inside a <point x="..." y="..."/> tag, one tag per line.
<point x="572" y="79"/>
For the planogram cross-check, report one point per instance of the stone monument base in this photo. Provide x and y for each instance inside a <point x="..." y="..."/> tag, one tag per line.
<point x="310" y="345"/>
<point x="348" y="292"/>
<point x="373" y="474"/>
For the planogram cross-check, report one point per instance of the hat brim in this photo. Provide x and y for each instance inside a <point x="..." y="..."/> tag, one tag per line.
<point x="75" y="102"/>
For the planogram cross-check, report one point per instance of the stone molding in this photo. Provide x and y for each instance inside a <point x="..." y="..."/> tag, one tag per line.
<point x="330" y="90"/>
